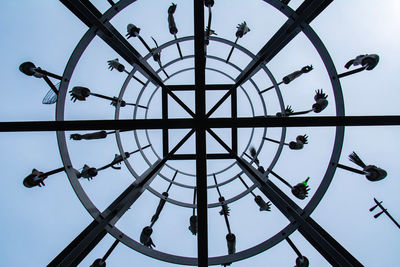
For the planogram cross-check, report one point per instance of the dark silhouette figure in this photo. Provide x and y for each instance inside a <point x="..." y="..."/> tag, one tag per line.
<point x="171" y="21"/>
<point x="209" y="3"/>
<point x="89" y="136"/>
<point x="242" y="29"/>
<point x="225" y="209"/>
<point x="114" y="64"/>
<point x="301" y="189"/>
<point x="368" y="62"/>
<point x="288" y="111"/>
<point x="301" y="140"/>
<point x="79" y="93"/>
<point x="231" y="242"/>
<point x="253" y="154"/>
<point x="88" y="172"/>
<point x="36" y="178"/>
<point x="302" y="262"/>
<point x="264" y="206"/>
<point x="193" y="227"/>
<point x="372" y="172"/>
<point x="320" y="101"/>
<point x="145" y="238"/>
<point x="133" y="31"/>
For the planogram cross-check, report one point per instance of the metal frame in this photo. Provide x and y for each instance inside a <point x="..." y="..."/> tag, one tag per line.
<point x="298" y="21"/>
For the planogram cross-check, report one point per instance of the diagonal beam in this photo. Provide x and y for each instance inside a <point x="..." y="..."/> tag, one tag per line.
<point x="304" y="14"/>
<point x="201" y="158"/>
<point x="320" y="121"/>
<point x="81" y="246"/>
<point x="333" y="252"/>
<point x="91" y="16"/>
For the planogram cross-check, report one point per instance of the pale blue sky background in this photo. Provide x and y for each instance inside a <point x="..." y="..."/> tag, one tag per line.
<point x="39" y="222"/>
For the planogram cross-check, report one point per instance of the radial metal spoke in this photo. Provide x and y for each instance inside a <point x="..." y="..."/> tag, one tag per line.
<point x="313" y="232"/>
<point x="304" y="14"/>
<point x="91" y="16"/>
<point x="81" y="246"/>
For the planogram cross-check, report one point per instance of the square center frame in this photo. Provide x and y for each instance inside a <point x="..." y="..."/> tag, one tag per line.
<point x="233" y="114"/>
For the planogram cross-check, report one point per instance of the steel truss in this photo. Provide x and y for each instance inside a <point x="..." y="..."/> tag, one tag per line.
<point x="199" y="123"/>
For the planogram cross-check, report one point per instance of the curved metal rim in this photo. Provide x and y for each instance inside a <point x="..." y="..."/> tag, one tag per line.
<point x="321" y="49"/>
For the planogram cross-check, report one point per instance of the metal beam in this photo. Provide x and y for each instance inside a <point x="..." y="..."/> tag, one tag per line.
<point x="91" y="16"/>
<point x="304" y="14"/>
<point x="327" y="121"/>
<point x="81" y="246"/>
<point x="191" y="87"/>
<point x="209" y="156"/>
<point x="333" y="252"/>
<point x="201" y="159"/>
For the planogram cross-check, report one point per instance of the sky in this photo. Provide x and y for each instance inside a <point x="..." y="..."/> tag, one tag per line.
<point x="39" y="222"/>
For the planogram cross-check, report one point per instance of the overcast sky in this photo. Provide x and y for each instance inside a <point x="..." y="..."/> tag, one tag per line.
<point x="39" y="222"/>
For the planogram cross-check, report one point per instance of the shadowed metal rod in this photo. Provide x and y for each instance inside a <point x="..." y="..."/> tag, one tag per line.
<point x="36" y="178"/>
<point x="114" y="64"/>
<point x="367" y="62"/>
<point x="289" y="78"/>
<point x="230" y="237"/>
<point x="371" y="172"/>
<point x="378" y="204"/>
<point x="101" y="262"/>
<point x="300" y="190"/>
<point x="264" y="206"/>
<point x="81" y="93"/>
<point x="209" y="31"/>
<point x="301" y="260"/>
<point x="301" y="140"/>
<point x="134" y="31"/>
<point x="242" y="29"/>
<point x="90" y="172"/>
<point x="30" y="69"/>
<point x="172" y="26"/>
<point x="145" y="238"/>
<point x="162" y="202"/>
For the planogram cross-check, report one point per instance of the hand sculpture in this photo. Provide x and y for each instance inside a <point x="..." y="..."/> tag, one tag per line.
<point x="288" y="111"/>
<point x="114" y="64"/>
<point x="372" y="172"/>
<point x="301" y="140"/>
<point x="79" y="93"/>
<point x="225" y="209"/>
<point x="264" y="206"/>
<point x="301" y="189"/>
<point x="88" y="172"/>
<point x="369" y="62"/>
<point x="34" y="179"/>
<point x="242" y="29"/>
<point x="320" y="101"/>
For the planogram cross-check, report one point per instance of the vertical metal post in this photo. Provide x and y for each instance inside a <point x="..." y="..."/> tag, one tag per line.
<point x="201" y="159"/>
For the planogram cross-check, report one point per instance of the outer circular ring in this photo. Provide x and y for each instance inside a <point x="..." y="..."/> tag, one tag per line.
<point x="319" y="46"/>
